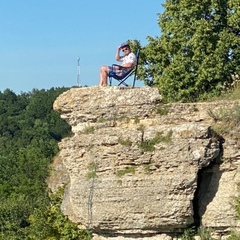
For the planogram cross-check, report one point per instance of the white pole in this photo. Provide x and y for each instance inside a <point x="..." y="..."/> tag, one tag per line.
<point x="78" y="72"/>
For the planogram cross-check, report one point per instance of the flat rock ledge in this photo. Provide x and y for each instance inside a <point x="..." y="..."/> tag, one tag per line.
<point x="136" y="168"/>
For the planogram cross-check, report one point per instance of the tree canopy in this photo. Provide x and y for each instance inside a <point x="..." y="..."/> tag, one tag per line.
<point x="29" y="133"/>
<point x="197" y="51"/>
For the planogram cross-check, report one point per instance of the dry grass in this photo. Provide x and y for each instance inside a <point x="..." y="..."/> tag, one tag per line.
<point x="233" y="94"/>
<point x="227" y="121"/>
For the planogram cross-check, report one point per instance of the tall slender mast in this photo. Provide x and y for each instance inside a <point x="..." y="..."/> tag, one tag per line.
<point x="78" y="72"/>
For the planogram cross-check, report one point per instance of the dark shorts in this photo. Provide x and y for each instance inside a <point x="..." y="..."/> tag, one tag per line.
<point x="115" y="71"/>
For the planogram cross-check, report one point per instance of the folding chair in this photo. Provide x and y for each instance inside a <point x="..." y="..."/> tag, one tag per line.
<point x="121" y="79"/>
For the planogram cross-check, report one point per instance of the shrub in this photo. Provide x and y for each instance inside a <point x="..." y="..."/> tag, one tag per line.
<point x="126" y="142"/>
<point x="92" y="170"/>
<point x="226" y="119"/>
<point x="148" y="145"/>
<point x="234" y="236"/>
<point x="136" y="120"/>
<point x="164" y="110"/>
<point x="188" y="234"/>
<point x="122" y="172"/>
<point x="102" y="120"/>
<point x="204" y="233"/>
<point x="88" y="130"/>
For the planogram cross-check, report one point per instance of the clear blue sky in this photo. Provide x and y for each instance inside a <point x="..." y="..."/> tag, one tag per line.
<point x="41" y="40"/>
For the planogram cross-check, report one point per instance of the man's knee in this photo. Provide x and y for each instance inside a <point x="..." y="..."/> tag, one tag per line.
<point x="104" y="69"/>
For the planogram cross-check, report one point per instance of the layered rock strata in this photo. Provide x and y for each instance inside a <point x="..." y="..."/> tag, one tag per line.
<point x="135" y="167"/>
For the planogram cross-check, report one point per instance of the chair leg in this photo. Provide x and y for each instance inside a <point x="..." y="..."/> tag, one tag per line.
<point x="134" y="80"/>
<point x="123" y="83"/>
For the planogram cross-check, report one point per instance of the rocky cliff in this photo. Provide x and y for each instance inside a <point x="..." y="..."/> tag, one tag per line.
<point x="136" y="168"/>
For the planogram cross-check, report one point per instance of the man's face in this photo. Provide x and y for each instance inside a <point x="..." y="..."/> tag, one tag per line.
<point x="125" y="50"/>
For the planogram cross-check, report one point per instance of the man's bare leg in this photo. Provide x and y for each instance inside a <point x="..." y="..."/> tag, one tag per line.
<point x="103" y="76"/>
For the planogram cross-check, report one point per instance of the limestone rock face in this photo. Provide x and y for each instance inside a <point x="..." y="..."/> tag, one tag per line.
<point x="133" y="163"/>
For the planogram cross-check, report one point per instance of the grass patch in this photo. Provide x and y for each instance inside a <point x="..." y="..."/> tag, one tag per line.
<point x="147" y="167"/>
<point x="194" y="109"/>
<point x="232" y="94"/>
<point x="234" y="236"/>
<point x="119" y="182"/>
<point x="163" y="110"/>
<point x="88" y="130"/>
<point x="235" y="93"/>
<point x="141" y="128"/>
<point x="226" y="120"/>
<point x="124" y="118"/>
<point x="91" y="175"/>
<point x="188" y="234"/>
<point x="237" y="204"/>
<point x="92" y="170"/>
<point x="102" y="120"/>
<point x="148" y="145"/>
<point x="205" y="233"/>
<point x="126" y="143"/>
<point x="136" y="120"/>
<point x="127" y="170"/>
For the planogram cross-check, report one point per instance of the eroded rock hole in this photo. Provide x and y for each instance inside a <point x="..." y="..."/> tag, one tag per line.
<point x="207" y="186"/>
<point x="207" y="181"/>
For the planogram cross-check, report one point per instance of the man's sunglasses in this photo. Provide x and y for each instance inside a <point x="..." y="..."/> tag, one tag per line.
<point x="124" y="49"/>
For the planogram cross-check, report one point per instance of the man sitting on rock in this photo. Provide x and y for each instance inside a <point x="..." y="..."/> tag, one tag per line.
<point x="129" y="60"/>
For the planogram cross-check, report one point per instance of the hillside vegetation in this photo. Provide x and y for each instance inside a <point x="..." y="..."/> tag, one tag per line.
<point x="29" y="133"/>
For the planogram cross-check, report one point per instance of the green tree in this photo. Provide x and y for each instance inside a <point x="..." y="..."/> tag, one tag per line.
<point x="29" y="133"/>
<point x="48" y="222"/>
<point x="198" y="50"/>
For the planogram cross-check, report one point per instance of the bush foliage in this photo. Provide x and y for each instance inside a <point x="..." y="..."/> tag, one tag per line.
<point x="29" y="133"/>
<point x="198" y="50"/>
